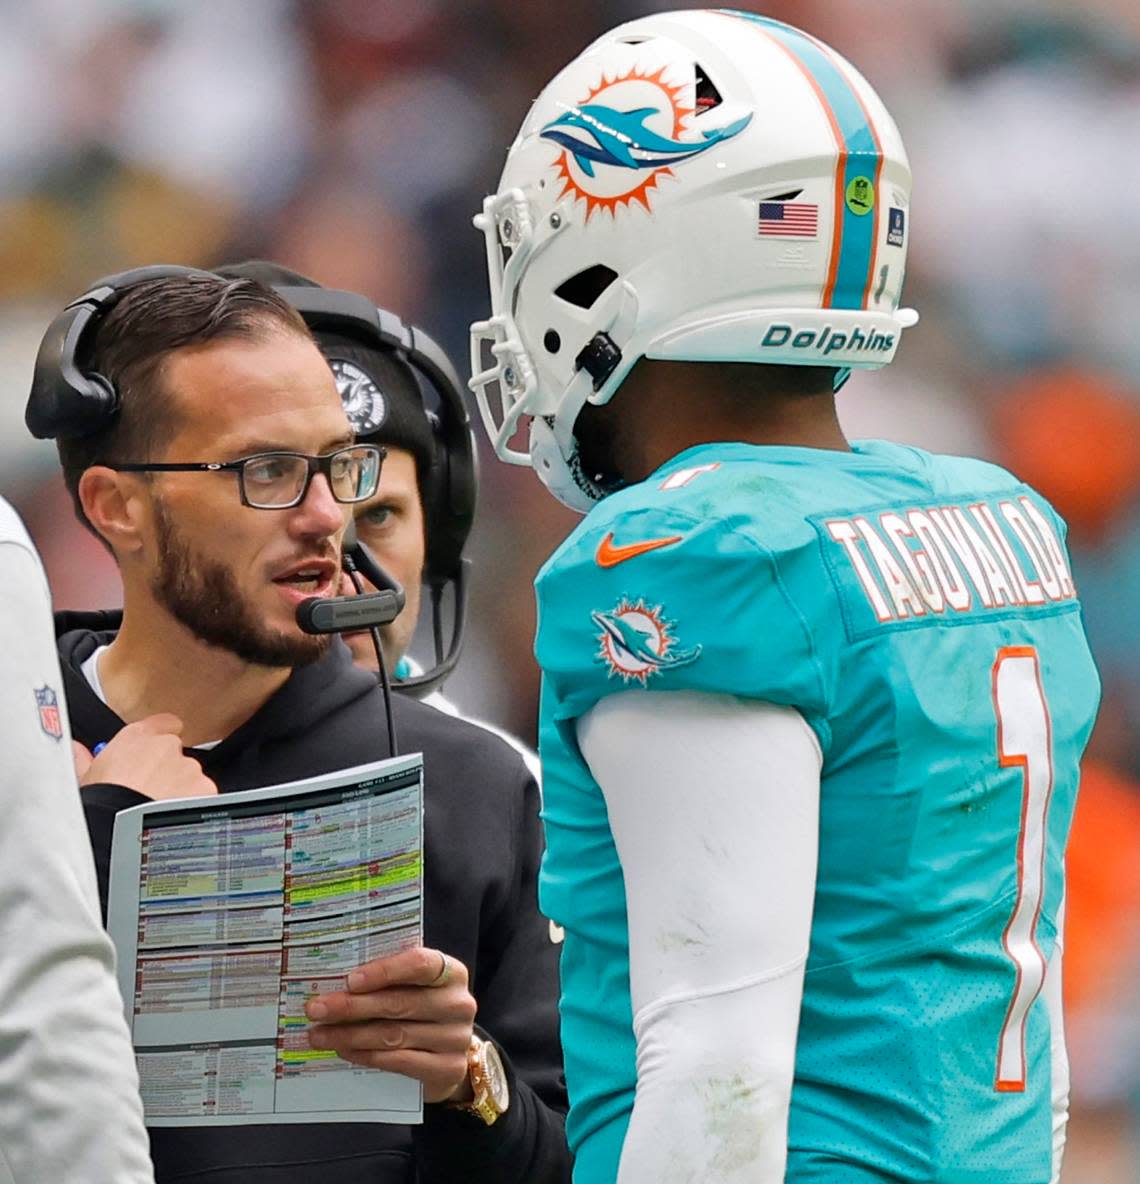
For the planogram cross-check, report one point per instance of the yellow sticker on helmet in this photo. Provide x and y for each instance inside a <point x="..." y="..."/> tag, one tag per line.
<point x="860" y="195"/>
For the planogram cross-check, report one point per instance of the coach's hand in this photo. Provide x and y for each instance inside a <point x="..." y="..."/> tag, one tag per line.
<point x="81" y="754"/>
<point x="408" y="1013"/>
<point x="147" y="756"/>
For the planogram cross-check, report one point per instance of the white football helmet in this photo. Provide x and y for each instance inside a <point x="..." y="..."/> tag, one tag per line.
<point x="697" y="186"/>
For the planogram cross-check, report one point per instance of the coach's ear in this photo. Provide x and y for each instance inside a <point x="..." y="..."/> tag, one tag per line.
<point x="118" y="506"/>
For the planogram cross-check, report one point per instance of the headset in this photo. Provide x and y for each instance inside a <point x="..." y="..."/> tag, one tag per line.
<point x="66" y="400"/>
<point x="452" y="477"/>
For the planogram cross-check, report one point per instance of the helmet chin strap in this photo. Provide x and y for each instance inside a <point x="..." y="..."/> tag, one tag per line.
<point x="553" y="448"/>
<point x="554" y="451"/>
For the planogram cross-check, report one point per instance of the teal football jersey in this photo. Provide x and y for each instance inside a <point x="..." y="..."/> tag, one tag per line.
<point x="919" y="611"/>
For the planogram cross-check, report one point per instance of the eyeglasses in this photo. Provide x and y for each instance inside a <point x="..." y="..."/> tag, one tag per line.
<point x="280" y="480"/>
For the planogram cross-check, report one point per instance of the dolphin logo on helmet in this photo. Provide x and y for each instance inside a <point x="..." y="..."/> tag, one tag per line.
<point x="622" y="140"/>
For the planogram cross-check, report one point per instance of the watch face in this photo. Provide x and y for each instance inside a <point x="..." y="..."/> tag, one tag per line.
<point x="496" y="1075"/>
<point x="363" y="402"/>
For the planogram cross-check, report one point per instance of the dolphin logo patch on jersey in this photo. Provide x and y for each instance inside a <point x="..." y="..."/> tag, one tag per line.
<point x="624" y="135"/>
<point x="636" y="641"/>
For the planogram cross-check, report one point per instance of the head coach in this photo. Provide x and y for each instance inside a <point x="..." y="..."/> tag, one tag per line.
<point x="203" y="440"/>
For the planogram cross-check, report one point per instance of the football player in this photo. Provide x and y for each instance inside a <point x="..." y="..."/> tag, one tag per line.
<point x="812" y="709"/>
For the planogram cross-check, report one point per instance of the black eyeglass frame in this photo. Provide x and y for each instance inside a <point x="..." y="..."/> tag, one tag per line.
<point x="317" y="464"/>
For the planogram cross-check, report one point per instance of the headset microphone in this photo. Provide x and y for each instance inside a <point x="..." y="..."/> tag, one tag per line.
<point x="364" y="611"/>
<point x="348" y="614"/>
<point x="351" y="614"/>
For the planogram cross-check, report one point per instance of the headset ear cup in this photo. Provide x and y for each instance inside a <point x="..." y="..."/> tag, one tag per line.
<point x="65" y="401"/>
<point x="450" y="485"/>
<point x="446" y="535"/>
<point x="463" y="483"/>
<point x="436" y="550"/>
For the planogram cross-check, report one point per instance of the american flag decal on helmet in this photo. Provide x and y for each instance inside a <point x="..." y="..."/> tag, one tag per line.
<point x="789" y="219"/>
<point x="50" y="719"/>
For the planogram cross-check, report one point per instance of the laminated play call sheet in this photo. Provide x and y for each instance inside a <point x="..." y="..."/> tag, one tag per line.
<point x="229" y="912"/>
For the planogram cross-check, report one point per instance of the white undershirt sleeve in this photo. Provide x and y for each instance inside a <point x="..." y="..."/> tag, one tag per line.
<point x="713" y="803"/>
<point x="69" y="1105"/>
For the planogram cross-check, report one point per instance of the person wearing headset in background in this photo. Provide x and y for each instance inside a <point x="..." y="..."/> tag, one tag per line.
<point x="417" y="524"/>
<point x="69" y="1105"/>
<point x="146" y="380"/>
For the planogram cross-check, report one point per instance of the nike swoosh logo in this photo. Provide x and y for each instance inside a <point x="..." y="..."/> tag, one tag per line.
<point x="608" y="555"/>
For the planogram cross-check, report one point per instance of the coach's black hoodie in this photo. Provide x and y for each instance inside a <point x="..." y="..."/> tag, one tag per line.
<point x="481" y="849"/>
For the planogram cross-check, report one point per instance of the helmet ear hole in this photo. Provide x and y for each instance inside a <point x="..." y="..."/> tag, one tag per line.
<point x="552" y="341"/>
<point x="708" y="97"/>
<point x="584" y="287"/>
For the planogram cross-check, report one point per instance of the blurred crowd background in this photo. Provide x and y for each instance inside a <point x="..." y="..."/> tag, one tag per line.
<point x="353" y="140"/>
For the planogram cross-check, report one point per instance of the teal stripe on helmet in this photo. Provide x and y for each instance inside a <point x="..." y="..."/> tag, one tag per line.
<point x="863" y="157"/>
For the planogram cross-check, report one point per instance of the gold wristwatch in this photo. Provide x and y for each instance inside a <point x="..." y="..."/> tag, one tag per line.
<point x="488" y="1082"/>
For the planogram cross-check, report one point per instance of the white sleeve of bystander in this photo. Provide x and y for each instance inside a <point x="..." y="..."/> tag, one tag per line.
<point x="69" y="1103"/>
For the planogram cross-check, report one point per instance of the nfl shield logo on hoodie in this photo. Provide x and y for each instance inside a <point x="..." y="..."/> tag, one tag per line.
<point x="50" y="719"/>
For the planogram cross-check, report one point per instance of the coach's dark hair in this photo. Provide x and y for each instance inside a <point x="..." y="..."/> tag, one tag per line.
<point x="129" y="346"/>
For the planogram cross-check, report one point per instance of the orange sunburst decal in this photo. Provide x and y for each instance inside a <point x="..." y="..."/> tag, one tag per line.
<point x="619" y="141"/>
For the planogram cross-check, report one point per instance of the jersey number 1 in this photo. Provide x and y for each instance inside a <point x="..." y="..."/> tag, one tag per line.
<point x="1025" y="739"/>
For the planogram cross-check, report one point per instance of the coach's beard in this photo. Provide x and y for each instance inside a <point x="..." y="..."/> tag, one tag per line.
<point x="204" y="596"/>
